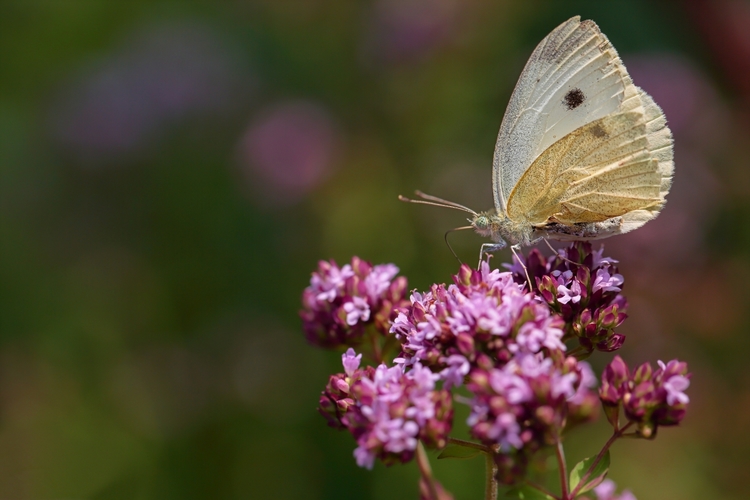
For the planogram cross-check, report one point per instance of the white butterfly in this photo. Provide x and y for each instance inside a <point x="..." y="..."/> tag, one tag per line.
<point x="582" y="153"/>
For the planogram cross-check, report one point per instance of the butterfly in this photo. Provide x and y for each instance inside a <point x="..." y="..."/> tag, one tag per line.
<point x="582" y="153"/>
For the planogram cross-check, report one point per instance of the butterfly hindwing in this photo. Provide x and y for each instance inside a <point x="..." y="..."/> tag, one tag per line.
<point x="617" y="166"/>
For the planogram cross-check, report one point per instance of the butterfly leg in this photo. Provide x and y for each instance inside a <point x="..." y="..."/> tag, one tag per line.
<point x="515" y="249"/>
<point x="549" y="246"/>
<point x="555" y="252"/>
<point x="488" y="248"/>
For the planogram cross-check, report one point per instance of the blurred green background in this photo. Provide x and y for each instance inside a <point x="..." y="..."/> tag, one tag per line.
<point x="171" y="172"/>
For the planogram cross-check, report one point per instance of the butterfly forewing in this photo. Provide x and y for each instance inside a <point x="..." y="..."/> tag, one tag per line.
<point x="572" y="78"/>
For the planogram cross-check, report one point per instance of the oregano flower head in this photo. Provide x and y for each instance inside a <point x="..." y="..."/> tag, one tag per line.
<point x="510" y="351"/>
<point x="342" y="301"/>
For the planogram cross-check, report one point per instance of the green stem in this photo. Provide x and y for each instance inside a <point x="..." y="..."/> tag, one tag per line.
<point x="490" y="471"/>
<point x="560" y="454"/>
<point x="615" y="436"/>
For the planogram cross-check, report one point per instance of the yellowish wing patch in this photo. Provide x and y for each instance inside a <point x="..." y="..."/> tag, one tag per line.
<point x="601" y="170"/>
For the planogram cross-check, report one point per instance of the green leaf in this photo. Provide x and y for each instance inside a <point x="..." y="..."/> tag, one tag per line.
<point x="458" y="451"/>
<point x="526" y="492"/>
<point x="597" y="475"/>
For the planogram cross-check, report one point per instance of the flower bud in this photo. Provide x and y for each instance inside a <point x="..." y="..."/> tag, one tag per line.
<point x="545" y="415"/>
<point x="611" y="344"/>
<point x="642" y="373"/>
<point x="464" y="276"/>
<point x="548" y="289"/>
<point x="648" y="397"/>
<point x="616" y="374"/>
<point x="465" y="344"/>
<point x="583" y="275"/>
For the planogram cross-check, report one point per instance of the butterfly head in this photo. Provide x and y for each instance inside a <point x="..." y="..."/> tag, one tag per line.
<point x="488" y="224"/>
<point x="499" y="228"/>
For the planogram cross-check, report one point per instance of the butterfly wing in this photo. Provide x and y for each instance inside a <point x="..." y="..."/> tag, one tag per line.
<point x="617" y="166"/>
<point x="573" y="77"/>
<point x="660" y="146"/>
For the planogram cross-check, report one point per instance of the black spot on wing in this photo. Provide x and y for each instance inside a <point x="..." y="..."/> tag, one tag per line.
<point x="574" y="98"/>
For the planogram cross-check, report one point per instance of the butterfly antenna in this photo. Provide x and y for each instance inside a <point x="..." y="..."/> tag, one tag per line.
<point x="449" y="245"/>
<point x="437" y="202"/>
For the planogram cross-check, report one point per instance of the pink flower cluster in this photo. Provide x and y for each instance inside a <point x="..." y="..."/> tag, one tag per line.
<point x="649" y="398"/>
<point x="341" y="301"/>
<point x="387" y="410"/>
<point x="507" y="343"/>
<point x="583" y="287"/>
<point x="486" y="332"/>
<point x="482" y="321"/>
<point x="524" y="405"/>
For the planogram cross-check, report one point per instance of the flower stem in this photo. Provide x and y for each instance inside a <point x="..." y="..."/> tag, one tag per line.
<point x="560" y="454"/>
<point x="615" y="436"/>
<point x="579" y="352"/>
<point x="490" y="468"/>
<point x="423" y="462"/>
<point x="574" y="351"/>
<point x="490" y="471"/>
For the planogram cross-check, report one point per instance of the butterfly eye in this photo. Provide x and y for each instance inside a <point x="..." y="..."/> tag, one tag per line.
<point x="481" y="222"/>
